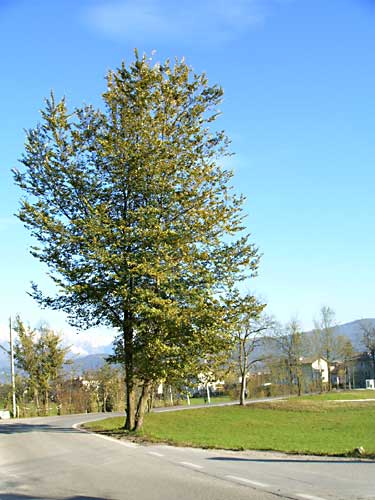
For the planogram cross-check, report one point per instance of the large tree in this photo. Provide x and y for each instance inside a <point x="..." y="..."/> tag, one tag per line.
<point x="137" y="221"/>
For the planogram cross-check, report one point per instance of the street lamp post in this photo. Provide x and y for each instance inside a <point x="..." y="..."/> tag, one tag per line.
<point x="12" y="377"/>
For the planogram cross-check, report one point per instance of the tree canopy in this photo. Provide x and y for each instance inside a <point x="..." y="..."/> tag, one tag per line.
<point x="136" y="219"/>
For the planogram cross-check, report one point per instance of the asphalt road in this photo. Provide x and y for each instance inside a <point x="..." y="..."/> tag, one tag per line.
<point x="46" y="458"/>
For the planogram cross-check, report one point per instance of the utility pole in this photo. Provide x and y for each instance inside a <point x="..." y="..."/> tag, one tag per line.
<point x="13" y="380"/>
<point x="11" y="357"/>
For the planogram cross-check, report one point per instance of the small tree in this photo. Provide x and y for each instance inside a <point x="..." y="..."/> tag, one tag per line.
<point x="52" y="357"/>
<point x="137" y="221"/>
<point x="27" y="357"/>
<point x="110" y="381"/>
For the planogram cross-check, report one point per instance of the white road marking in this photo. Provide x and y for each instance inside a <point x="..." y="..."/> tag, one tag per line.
<point x="189" y="464"/>
<point x="248" y="481"/>
<point x="309" y="497"/>
<point x="119" y="441"/>
<point x="156" y="454"/>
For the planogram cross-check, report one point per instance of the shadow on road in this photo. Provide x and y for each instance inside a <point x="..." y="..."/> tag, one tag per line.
<point x="20" y="428"/>
<point x="15" y="496"/>
<point x="290" y="460"/>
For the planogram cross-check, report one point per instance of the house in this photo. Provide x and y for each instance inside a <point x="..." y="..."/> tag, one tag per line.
<point x="353" y="372"/>
<point x="361" y="369"/>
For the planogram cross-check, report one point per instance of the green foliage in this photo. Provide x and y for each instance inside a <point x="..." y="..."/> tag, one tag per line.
<point x="110" y="386"/>
<point x="136" y="219"/>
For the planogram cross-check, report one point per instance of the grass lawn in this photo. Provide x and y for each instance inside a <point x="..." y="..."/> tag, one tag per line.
<point x="341" y="395"/>
<point x="310" y="426"/>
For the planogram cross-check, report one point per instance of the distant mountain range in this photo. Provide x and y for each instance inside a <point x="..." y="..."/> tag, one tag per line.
<point x="80" y="364"/>
<point x="354" y="332"/>
<point x="94" y="361"/>
<point x="85" y="363"/>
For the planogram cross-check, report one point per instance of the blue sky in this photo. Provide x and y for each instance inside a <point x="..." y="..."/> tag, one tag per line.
<point x="299" y="81"/>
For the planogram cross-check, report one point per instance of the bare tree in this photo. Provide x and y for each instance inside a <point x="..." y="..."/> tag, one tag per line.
<point x="250" y="328"/>
<point x="325" y="337"/>
<point x="368" y="340"/>
<point x="290" y="344"/>
<point x="346" y="353"/>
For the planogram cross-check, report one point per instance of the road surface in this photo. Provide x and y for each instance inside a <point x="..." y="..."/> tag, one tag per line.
<point x="47" y="458"/>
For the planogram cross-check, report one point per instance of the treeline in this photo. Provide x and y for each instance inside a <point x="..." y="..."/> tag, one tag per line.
<point x="266" y="358"/>
<point x="93" y="391"/>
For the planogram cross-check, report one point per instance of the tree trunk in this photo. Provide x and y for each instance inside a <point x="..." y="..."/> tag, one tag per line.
<point x="243" y="368"/>
<point x="142" y="405"/>
<point x="150" y="401"/>
<point x="299" y="382"/>
<point x="130" y="403"/>
<point x="36" y="398"/>
<point x="291" y="379"/>
<point x="329" y="377"/>
<point x="46" y="408"/>
<point x="208" y="393"/>
<point x="129" y="378"/>
<point x="243" y="389"/>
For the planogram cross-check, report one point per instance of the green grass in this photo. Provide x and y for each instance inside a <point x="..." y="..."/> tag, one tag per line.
<point x="114" y="425"/>
<point x="341" y="395"/>
<point x="294" y="426"/>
